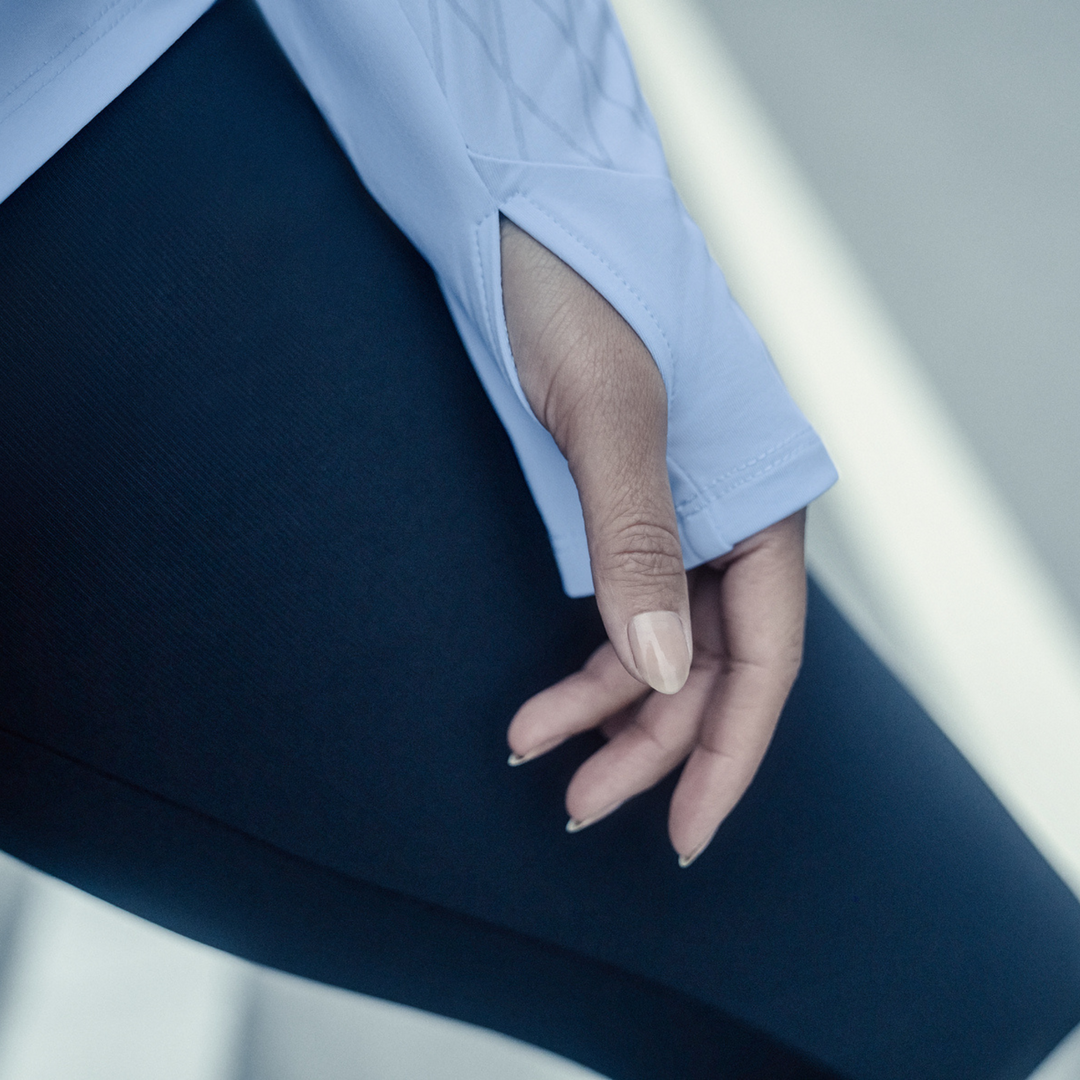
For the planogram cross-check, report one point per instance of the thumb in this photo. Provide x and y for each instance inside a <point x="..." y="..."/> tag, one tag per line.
<point x="592" y="383"/>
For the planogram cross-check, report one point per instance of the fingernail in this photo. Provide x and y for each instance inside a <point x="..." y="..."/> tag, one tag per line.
<point x="543" y="748"/>
<point x="658" y="642"/>
<point x="574" y="825"/>
<point x="686" y="860"/>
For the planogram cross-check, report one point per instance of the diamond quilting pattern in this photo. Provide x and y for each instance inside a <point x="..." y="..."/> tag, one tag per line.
<point x="556" y="76"/>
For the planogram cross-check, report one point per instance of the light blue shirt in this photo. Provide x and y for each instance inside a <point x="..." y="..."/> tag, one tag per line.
<point x="452" y="112"/>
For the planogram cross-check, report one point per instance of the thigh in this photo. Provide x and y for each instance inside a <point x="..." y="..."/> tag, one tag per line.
<point x="273" y="586"/>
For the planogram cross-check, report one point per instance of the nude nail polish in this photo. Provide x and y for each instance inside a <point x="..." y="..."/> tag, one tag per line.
<point x="574" y="825"/>
<point x="658" y="642"/>
<point x="535" y="752"/>
<point x="686" y="860"/>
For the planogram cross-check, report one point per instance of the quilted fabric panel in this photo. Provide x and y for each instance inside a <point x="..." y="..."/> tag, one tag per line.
<point x="555" y="74"/>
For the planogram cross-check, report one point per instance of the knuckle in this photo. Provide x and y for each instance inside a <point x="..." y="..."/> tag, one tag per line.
<point x="665" y="744"/>
<point x="785" y="663"/>
<point x="788" y="659"/>
<point x="643" y="549"/>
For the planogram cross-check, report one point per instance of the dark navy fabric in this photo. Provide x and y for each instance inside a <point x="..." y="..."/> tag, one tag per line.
<point x="272" y="587"/>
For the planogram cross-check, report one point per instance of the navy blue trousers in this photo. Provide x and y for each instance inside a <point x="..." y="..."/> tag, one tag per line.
<point x="271" y="587"/>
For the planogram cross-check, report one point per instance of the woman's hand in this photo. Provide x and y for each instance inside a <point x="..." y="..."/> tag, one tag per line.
<point x="594" y="386"/>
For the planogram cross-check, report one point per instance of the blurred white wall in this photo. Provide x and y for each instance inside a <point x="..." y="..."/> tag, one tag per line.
<point x="915" y="542"/>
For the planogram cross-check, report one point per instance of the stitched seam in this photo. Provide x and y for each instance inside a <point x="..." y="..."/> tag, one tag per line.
<point x="497" y="333"/>
<point x="676" y="470"/>
<point x="436" y="60"/>
<point x="492" y="323"/>
<point x="614" y="273"/>
<point x="237" y="830"/>
<point x="710" y="496"/>
<point x="67" y="45"/>
<point x="745" y="465"/>
<point x="446" y="100"/>
<point x="617" y="170"/>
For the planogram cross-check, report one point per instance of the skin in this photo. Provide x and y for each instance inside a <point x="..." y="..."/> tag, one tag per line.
<point x="734" y="642"/>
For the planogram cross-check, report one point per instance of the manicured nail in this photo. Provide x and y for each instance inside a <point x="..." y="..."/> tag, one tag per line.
<point x="686" y="860"/>
<point x="535" y="752"/>
<point x="658" y="642"/>
<point x="574" y="825"/>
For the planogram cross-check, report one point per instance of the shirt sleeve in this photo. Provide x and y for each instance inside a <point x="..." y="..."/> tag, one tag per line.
<point x="456" y="111"/>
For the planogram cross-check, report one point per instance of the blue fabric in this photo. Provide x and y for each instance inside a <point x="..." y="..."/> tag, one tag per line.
<point x="273" y="585"/>
<point x="455" y="112"/>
